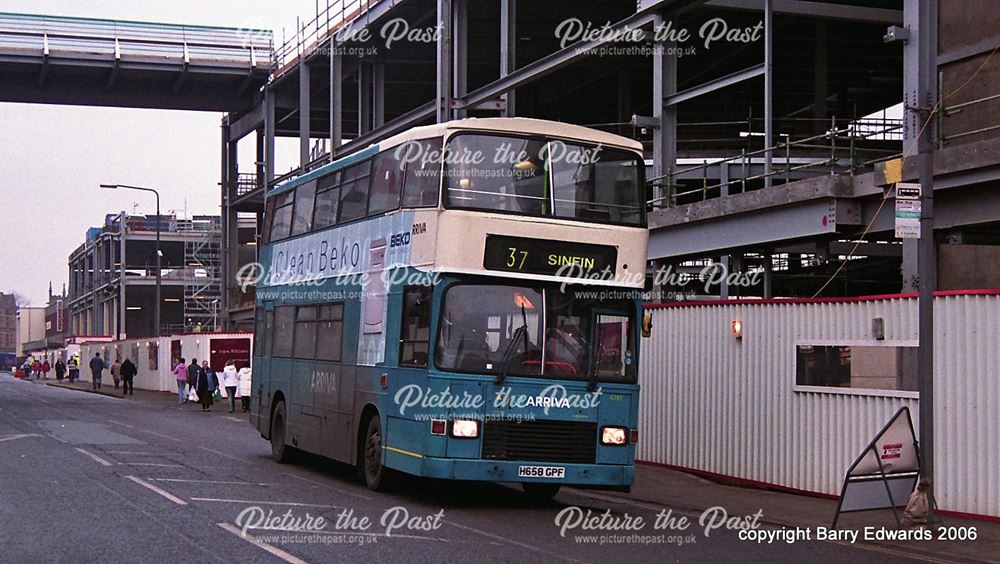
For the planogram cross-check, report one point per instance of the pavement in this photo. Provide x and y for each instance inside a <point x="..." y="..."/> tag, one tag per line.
<point x="88" y="477"/>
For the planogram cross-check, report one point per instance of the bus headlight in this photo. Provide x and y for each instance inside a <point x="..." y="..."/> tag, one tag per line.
<point x="614" y="436"/>
<point x="464" y="429"/>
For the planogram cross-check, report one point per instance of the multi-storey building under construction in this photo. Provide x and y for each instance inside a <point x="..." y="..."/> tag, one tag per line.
<point x="116" y="297"/>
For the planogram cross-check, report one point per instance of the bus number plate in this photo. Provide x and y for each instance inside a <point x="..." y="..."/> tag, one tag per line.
<point x="541" y="472"/>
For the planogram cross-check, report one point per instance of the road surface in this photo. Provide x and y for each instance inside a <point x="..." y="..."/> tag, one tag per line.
<point x="90" y="478"/>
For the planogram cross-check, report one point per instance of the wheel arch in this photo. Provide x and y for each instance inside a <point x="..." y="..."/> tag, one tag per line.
<point x="276" y="398"/>
<point x="367" y="413"/>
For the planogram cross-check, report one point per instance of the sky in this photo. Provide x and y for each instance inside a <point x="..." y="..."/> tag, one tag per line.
<point x="53" y="158"/>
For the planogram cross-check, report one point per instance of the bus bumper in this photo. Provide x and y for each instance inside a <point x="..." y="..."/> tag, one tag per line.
<point x="609" y="475"/>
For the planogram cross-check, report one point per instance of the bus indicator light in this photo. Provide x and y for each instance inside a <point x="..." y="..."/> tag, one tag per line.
<point x="384" y="380"/>
<point x="438" y="426"/>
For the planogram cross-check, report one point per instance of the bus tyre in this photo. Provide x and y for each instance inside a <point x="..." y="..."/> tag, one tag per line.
<point x="378" y="478"/>
<point x="280" y="452"/>
<point x="539" y="491"/>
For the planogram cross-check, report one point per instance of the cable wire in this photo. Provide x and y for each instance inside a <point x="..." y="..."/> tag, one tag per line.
<point x="885" y="197"/>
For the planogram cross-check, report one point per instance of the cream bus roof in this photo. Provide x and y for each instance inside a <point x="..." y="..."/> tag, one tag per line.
<point x="515" y="125"/>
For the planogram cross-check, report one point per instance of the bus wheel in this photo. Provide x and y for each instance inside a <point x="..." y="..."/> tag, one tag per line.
<point x="280" y="452"/>
<point x="538" y="491"/>
<point x="377" y="476"/>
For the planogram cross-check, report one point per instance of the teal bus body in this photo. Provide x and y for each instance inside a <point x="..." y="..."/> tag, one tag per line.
<point x="531" y="428"/>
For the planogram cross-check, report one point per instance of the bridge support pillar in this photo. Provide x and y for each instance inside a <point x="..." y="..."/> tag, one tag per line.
<point x="460" y="59"/>
<point x="508" y="49"/>
<point x="444" y="54"/>
<point x="664" y="117"/>
<point x="336" y="99"/>
<point x="305" y="113"/>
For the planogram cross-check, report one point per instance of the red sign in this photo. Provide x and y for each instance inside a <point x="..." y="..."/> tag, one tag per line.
<point x="892" y="451"/>
<point x="224" y="350"/>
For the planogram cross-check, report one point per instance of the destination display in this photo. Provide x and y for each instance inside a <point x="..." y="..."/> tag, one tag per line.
<point x="541" y="256"/>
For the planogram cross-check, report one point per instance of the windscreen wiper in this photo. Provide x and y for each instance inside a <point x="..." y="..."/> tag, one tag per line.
<point x="508" y="354"/>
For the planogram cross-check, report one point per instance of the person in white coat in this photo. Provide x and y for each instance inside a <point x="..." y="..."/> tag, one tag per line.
<point x="230" y="380"/>
<point x="244" y="387"/>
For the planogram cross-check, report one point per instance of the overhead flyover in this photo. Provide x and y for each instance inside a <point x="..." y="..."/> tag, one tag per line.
<point x="96" y="62"/>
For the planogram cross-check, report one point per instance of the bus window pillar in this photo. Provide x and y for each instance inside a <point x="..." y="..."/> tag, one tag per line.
<point x="665" y="117"/>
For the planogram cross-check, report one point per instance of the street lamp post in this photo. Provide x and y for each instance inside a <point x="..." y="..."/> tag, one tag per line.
<point x="156" y="310"/>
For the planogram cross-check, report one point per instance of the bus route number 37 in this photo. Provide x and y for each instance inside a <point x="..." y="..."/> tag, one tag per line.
<point x="516" y="258"/>
<point x="541" y="472"/>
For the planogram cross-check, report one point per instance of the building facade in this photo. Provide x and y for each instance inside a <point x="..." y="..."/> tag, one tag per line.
<point x="112" y="277"/>
<point x="8" y="324"/>
<point x="30" y="328"/>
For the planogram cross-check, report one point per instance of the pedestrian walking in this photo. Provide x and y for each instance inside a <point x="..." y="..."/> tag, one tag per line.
<point x="128" y="372"/>
<point x="36" y="369"/>
<point x="194" y="372"/>
<point x="97" y="366"/>
<point x="26" y="368"/>
<point x="231" y="380"/>
<point x="181" y="375"/>
<point x="60" y="369"/>
<point x="244" y="387"/>
<point x="116" y="370"/>
<point x="74" y="369"/>
<point x="208" y="382"/>
<point x="45" y="369"/>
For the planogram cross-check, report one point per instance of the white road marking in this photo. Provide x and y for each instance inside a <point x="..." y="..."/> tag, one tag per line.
<point x="511" y="541"/>
<point x="15" y="437"/>
<point x="251" y="502"/>
<point x="151" y="464"/>
<point x="228" y="482"/>
<point x="176" y="440"/>
<point x="229" y="456"/>
<point x="321" y="484"/>
<point x="236" y="419"/>
<point x="95" y="457"/>
<point x="388" y="536"/>
<point x="158" y="490"/>
<point x="132" y="452"/>
<point x="261" y="544"/>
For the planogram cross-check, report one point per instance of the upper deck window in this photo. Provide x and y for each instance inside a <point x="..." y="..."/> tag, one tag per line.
<point x="423" y="173"/>
<point x="544" y="177"/>
<point x="303" y="213"/>
<point x="387" y="182"/>
<point x="354" y="192"/>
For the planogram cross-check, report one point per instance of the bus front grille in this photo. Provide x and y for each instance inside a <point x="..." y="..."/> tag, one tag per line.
<point x="543" y="441"/>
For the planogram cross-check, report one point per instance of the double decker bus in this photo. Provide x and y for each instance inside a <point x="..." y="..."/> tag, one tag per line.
<point x="459" y="301"/>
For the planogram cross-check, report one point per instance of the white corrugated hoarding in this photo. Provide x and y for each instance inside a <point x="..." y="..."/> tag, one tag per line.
<point x="717" y="404"/>
<point x="155" y="357"/>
